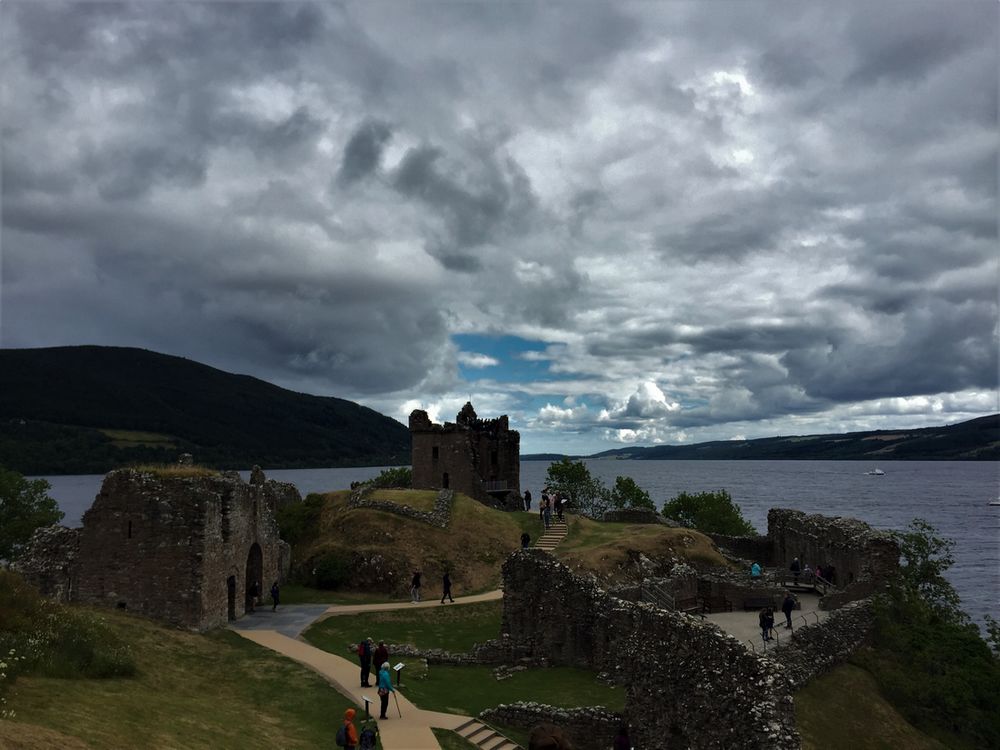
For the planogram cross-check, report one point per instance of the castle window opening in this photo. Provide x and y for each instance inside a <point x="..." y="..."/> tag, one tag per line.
<point x="435" y="453"/>
<point x="444" y="481"/>
<point x="494" y="458"/>
<point x="129" y="529"/>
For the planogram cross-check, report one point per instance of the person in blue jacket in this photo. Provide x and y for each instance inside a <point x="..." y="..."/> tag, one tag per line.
<point x="755" y="570"/>
<point x="384" y="688"/>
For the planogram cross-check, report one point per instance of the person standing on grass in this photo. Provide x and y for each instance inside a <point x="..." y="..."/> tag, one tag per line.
<point x="384" y="688"/>
<point x="527" y="499"/>
<point x="415" y="587"/>
<point x="275" y="595"/>
<point x="525" y="540"/>
<point x="365" y="655"/>
<point x="446" y="588"/>
<point x="547" y="512"/>
<point x="350" y="731"/>
<point x="541" y="504"/>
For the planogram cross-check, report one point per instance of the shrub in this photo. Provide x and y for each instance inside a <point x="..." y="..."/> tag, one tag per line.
<point x="331" y="570"/>
<point x="24" y="506"/>
<point x="398" y="477"/>
<point x="297" y="522"/>
<point x="627" y="495"/>
<point x="712" y="512"/>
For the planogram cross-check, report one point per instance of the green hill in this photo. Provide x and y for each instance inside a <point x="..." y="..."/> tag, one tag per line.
<point x="88" y="409"/>
<point x="976" y="440"/>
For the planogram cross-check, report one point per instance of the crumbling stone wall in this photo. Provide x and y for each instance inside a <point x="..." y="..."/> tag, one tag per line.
<point x="49" y="562"/>
<point x="480" y="458"/>
<point x="859" y="553"/>
<point x="180" y="549"/>
<point x="589" y="728"/>
<point x="815" y="649"/>
<point x="440" y="516"/>
<point x="688" y="684"/>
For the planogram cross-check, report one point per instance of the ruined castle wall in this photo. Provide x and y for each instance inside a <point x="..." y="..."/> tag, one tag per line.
<point x="590" y="728"/>
<point x="856" y="550"/>
<point x="50" y="561"/>
<point x="688" y="683"/>
<point x="167" y="546"/>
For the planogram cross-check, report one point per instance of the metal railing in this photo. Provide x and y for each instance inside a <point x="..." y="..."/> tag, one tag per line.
<point x="658" y="594"/>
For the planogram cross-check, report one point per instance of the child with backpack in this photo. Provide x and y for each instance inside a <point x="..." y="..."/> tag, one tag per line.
<point x="347" y="735"/>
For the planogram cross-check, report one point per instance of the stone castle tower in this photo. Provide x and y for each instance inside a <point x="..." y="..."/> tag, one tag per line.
<point x="478" y="457"/>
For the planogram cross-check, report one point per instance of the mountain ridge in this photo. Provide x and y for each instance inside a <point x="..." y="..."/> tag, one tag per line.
<point x="87" y="409"/>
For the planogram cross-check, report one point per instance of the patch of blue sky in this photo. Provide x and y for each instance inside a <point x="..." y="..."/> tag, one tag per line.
<point x="505" y="359"/>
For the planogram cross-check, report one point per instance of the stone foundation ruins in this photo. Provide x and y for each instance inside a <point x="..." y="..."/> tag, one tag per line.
<point x="186" y="550"/>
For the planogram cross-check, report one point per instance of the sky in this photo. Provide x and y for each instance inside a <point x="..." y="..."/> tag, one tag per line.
<point x="618" y="223"/>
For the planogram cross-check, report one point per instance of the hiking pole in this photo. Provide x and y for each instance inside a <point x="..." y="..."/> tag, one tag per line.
<point x="397" y="704"/>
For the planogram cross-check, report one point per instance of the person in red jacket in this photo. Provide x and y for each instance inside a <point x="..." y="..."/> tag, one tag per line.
<point x="351" y="731"/>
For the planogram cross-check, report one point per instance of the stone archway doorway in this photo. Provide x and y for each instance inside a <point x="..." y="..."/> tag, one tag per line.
<point x="254" y="577"/>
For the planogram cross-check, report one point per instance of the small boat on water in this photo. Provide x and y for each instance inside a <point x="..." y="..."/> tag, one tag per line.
<point x="875" y="473"/>
<point x="995" y="502"/>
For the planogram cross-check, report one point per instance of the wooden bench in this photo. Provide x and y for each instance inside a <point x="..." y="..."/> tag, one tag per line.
<point x="711" y="604"/>
<point x="690" y="606"/>
<point x="758" y="602"/>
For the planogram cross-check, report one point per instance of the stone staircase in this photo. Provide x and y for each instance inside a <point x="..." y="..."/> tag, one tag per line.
<point x="551" y="538"/>
<point x="485" y="737"/>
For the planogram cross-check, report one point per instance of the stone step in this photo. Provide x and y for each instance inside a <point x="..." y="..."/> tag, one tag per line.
<point x="480" y="733"/>
<point x="468" y="727"/>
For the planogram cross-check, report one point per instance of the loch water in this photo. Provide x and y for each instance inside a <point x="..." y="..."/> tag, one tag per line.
<point x="952" y="495"/>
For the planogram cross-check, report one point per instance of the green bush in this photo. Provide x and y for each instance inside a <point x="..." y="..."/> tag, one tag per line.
<point x="297" y="522"/>
<point x="398" y="477"/>
<point x="572" y="480"/>
<point x="711" y="512"/>
<point x="627" y="495"/>
<point x="331" y="570"/>
<point x="24" y="506"/>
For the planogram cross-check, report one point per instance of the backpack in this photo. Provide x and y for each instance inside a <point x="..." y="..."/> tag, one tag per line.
<point x="341" y="738"/>
<point x="367" y="740"/>
<point x="361" y="648"/>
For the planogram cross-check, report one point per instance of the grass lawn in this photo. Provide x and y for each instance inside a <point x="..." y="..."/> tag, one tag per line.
<point x="845" y="709"/>
<point x="455" y="628"/>
<point x="416" y="499"/>
<point x="530" y="522"/>
<point x="469" y="690"/>
<point x="191" y="691"/>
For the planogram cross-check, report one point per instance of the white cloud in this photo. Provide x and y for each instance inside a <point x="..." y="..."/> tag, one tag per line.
<point x="472" y="359"/>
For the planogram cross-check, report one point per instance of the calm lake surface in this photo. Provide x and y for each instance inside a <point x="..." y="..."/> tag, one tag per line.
<point x="952" y="495"/>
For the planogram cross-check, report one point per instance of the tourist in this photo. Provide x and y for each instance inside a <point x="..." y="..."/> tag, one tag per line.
<point x="769" y="619"/>
<point x="415" y="587"/>
<point x="795" y="567"/>
<point x="252" y="595"/>
<point x="446" y="588"/>
<point x="559" y="507"/>
<point x="547" y="511"/>
<point x="525" y="540"/>
<point x="384" y="688"/>
<point x="807" y="573"/>
<point x="527" y="499"/>
<point x="787" y="606"/>
<point x="275" y="596"/>
<point x="762" y="621"/>
<point x="350" y="731"/>
<point x="622" y="742"/>
<point x="365" y="656"/>
<point x="381" y="655"/>
<point x="541" y="504"/>
<point x="755" y="570"/>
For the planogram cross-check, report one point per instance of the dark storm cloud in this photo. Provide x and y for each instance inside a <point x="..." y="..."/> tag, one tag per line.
<point x="478" y="202"/>
<point x="363" y="152"/>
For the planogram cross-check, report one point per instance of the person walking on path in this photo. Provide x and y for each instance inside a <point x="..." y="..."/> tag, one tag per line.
<point x="795" y="567"/>
<point x="547" y="512"/>
<point x="762" y="621"/>
<point x="770" y="623"/>
<point x="381" y="656"/>
<point x="365" y="655"/>
<point x="525" y="540"/>
<point x="415" y="587"/>
<point x="527" y="499"/>
<point x="559" y="507"/>
<point x="275" y="596"/>
<point x="446" y="588"/>
<point x="787" y="606"/>
<point x="384" y="688"/>
<point x="541" y="504"/>
<point x="350" y="731"/>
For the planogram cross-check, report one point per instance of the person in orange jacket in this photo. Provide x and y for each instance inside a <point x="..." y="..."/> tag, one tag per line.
<point x="351" y="731"/>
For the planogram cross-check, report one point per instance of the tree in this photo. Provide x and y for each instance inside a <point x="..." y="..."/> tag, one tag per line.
<point x="627" y="495"/>
<point x="24" y="506"/>
<point x="572" y="480"/>
<point x="924" y="558"/>
<point x="713" y="512"/>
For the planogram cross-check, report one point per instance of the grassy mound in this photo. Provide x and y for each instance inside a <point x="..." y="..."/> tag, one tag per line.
<point x="844" y="708"/>
<point x="368" y="550"/>
<point x="609" y="550"/>
<point x="189" y="690"/>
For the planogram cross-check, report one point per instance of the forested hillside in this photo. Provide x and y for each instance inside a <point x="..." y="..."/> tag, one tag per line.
<point x="87" y="409"/>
